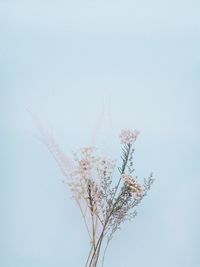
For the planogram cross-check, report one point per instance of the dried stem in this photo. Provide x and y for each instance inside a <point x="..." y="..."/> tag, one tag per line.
<point x="91" y="184"/>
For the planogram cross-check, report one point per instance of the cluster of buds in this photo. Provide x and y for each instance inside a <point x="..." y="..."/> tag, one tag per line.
<point x="85" y="160"/>
<point x="127" y="136"/>
<point x="135" y="188"/>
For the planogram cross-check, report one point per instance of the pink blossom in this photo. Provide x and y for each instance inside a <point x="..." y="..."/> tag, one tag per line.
<point x="85" y="165"/>
<point x="128" y="136"/>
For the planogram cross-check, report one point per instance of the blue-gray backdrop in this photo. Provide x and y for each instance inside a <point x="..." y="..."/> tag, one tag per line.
<point x="139" y="61"/>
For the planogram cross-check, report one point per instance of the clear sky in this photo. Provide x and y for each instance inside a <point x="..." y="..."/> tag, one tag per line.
<point x="65" y="60"/>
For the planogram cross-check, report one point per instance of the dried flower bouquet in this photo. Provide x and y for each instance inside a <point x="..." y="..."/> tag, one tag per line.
<point x="104" y="205"/>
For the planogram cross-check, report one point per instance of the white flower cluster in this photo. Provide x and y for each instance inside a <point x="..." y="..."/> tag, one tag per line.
<point x="127" y="136"/>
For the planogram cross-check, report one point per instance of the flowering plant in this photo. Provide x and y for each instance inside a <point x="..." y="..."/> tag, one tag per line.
<point x="104" y="205"/>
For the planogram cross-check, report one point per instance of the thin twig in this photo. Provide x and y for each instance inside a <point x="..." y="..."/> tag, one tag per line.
<point x="83" y="218"/>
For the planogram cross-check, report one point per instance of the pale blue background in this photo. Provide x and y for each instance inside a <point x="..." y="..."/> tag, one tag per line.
<point x="63" y="60"/>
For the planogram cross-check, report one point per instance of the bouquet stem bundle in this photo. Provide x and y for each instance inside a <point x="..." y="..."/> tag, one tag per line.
<point x="104" y="204"/>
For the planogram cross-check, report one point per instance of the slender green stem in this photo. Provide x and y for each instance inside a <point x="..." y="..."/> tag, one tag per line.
<point x="122" y="170"/>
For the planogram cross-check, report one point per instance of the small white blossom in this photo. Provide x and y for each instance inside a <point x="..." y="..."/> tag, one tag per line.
<point x="128" y="136"/>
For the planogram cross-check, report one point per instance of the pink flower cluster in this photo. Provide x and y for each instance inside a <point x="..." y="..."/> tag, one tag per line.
<point x="90" y="168"/>
<point x="128" y="136"/>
